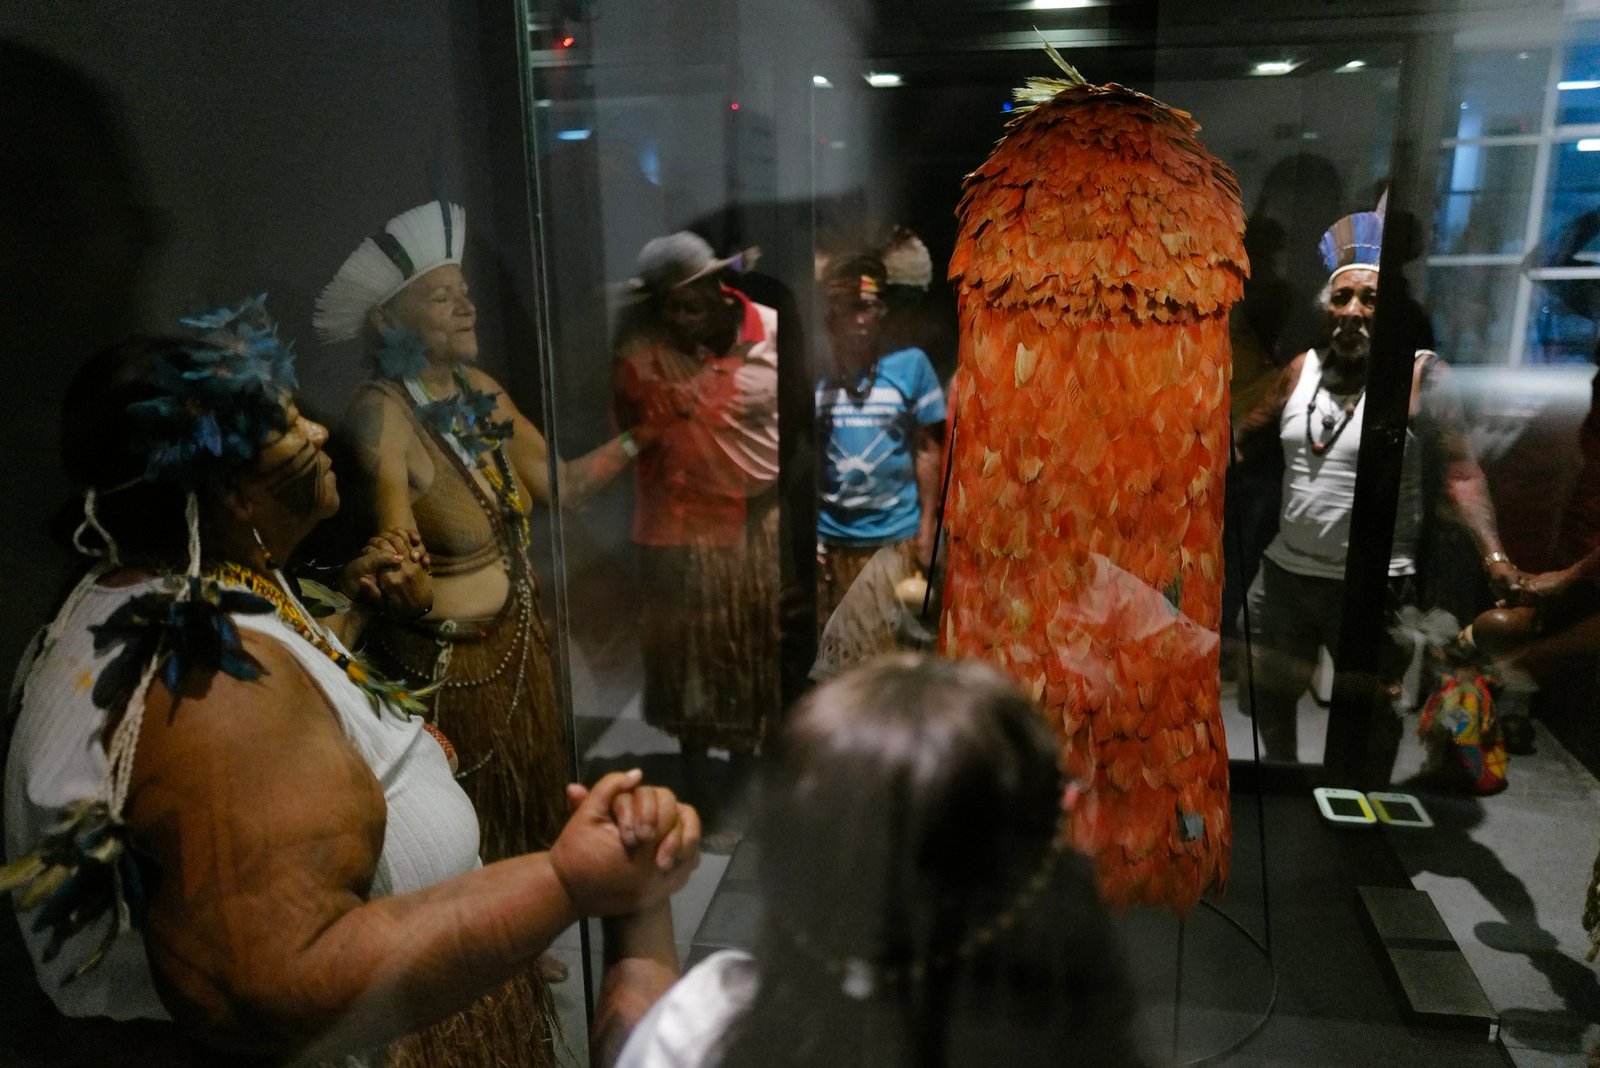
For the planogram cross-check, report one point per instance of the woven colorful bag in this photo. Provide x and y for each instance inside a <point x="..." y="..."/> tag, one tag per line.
<point x="1461" y="732"/>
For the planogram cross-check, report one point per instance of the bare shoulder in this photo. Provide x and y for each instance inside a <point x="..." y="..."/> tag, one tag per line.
<point x="482" y="379"/>
<point x="374" y="406"/>
<point x="273" y="745"/>
<point x="263" y="826"/>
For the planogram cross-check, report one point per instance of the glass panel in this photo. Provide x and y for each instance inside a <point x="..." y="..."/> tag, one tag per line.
<point x="1561" y="327"/>
<point x="1481" y="198"/>
<point x="1471" y="310"/>
<point x="1572" y="194"/>
<point x="1494" y="94"/>
<point x="1578" y="102"/>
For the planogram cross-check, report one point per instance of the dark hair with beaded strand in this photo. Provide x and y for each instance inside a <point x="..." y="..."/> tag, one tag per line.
<point x="922" y="909"/>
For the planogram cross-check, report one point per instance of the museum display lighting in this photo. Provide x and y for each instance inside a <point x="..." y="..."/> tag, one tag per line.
<point x="1274" y="66"/>
<point x="1354" y="64"/>
<point x="821" y="82"/>
<point x="883" y="79"/>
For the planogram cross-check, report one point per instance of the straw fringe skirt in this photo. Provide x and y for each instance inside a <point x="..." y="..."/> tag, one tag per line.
<point x="505" y="1029"/>
<point x="710" y="637"/>
<point x="498" y="708"/>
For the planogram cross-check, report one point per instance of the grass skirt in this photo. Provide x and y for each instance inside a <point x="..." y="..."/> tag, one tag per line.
<point x="710" y="637"/>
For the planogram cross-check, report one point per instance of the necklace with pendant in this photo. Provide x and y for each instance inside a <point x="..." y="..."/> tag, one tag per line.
<point x="1332" y="424"/>
<point x="378" y="690"/>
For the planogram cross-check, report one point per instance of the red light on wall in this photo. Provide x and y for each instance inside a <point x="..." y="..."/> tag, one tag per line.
<point x="734" y="105"/>
<point x="568" y="41"/>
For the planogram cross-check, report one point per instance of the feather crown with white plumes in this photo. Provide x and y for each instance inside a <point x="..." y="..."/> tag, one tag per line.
<point x="409" y="246"/>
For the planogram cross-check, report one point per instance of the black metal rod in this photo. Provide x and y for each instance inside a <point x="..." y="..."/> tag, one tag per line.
<point x="938" y="525"/>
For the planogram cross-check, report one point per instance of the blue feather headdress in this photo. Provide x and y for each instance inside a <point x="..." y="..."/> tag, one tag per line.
<point x="1354" y="241"/>
<point x="220" y="403"/>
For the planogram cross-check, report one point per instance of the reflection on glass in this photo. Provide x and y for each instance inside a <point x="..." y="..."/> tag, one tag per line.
<point x="1573" y="190"/>
<point x="1496" y="94"/>
<point x="1556" y="332"/>
<point x="880" y="423"/>
<point x="1579" y="101"/>
<point x="1472" y="309"/>
<point x="1481" y="198"/>
<point x="699" y="361"/>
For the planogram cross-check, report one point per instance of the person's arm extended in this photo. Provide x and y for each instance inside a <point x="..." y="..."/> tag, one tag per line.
<point x="929" y="461"/>
<point x="530" y="454"/>
<point x="1464" y="482"/>
<point x="263" y="825"/>
<point x="1257" y="433"/>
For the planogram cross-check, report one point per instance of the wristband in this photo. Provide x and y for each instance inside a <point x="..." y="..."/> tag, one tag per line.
<point x="629" y="446"/>
<point x="1496" y="557"/>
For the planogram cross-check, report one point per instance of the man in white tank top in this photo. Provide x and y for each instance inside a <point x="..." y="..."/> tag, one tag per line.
<point x="1314" y="414"/>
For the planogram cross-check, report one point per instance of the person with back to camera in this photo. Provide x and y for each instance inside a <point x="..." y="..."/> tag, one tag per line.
<point x="922" y="907"/>
<point x="230" y="838"/>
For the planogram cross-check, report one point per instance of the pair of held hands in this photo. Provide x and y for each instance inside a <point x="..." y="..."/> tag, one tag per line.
<point x="627" y="848"/>
<point x="1533" y="590"/>
<point x="392" y="574"/>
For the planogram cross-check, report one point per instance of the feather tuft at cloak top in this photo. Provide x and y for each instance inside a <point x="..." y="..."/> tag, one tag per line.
<point x="1100" y="249"/>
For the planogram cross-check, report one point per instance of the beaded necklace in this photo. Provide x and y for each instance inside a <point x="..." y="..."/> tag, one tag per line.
<point x="1329" y="423"/>
<point x="379" y="690"/>
<point x="462" y="421"/>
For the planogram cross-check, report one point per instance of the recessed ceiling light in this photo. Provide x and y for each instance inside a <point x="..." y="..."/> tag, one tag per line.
<point x="1354" y="64"/>
<point x="1057" y="5"/>
<point x="1566" y="87"/>
<point x="1274" y="66"/>
<point x="579" y="134"/>
<point x="884" y="80"/>
<point x="821" y="82"/>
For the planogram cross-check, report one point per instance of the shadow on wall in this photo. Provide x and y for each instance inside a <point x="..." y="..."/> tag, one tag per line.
<point x="79" y="229"/>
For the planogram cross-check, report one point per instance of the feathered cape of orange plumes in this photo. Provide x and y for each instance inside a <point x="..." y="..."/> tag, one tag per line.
<point x="1100" y="249"/>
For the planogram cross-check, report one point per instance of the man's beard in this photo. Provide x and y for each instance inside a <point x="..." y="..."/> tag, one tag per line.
<point x="1348" y="350"/>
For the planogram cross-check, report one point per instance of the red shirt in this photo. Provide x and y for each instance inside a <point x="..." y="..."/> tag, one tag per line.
<point x="688" y="491"/>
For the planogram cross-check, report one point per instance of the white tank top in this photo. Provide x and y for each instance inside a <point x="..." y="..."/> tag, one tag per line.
<point x="1318" y="491"/>
<point x="431" y="833"/>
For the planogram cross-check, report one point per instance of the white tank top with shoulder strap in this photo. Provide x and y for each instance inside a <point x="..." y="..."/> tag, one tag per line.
<point x="56" y="757"/>
<point x="1319" y="490"/>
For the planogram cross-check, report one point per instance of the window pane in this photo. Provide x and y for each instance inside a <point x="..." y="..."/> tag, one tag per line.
<point x="1472" y="309"/>
<point x="1556" y="332"/>
<point x="1579" y="100"/>
<point x="1481" y="198"/>
<point x="1496" y="93"/>
<point x="1573" y="191"/>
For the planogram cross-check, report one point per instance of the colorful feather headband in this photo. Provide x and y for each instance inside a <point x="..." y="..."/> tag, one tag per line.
<point x="1355" y="241"/>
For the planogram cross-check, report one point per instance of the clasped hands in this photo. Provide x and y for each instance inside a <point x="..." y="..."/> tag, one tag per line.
<point x="627" y="848"/>
<point x="391" y="574"/>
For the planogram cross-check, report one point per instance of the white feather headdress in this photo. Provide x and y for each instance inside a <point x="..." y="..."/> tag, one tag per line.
<point x="410" y="244"/>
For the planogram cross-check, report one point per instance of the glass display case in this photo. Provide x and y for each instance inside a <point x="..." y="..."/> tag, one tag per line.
<point x="721" y="262"/>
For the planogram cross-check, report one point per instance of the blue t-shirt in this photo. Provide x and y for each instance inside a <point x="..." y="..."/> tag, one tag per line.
<point x="868" y="475"/>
